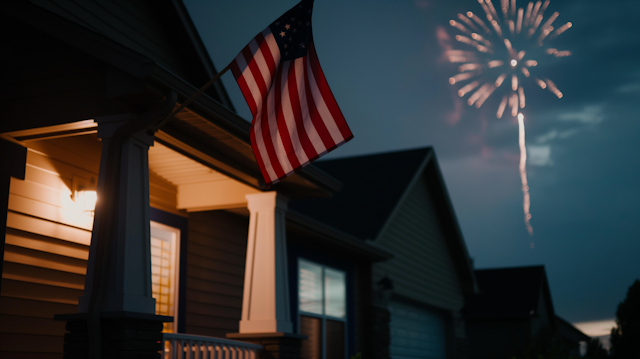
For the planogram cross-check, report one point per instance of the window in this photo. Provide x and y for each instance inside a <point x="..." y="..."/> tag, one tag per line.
<point x="323" y="311"/>
<point x="164" y="271"/>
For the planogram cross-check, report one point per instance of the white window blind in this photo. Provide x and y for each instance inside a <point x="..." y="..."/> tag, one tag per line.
<point x="164" y="271"/>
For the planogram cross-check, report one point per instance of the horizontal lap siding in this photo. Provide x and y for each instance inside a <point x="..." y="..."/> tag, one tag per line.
<point x="215" y="272"/>
<point x="422" y="268"/>
<point x="46" y="246"/>
<point x="163" y="195"/>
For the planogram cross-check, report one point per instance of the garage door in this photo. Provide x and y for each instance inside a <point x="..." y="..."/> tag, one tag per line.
<point x="416" y="332"/>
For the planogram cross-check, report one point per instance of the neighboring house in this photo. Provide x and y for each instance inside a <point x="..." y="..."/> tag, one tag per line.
<point x="398" y="201"/>
<point x="513" y="312"/>
<point x="83" y="86"/>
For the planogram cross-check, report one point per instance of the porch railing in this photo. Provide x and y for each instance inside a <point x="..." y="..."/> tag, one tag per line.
<point x="184" y="346"/>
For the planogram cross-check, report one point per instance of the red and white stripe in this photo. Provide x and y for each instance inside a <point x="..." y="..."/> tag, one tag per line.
<point x="295" y="117"/>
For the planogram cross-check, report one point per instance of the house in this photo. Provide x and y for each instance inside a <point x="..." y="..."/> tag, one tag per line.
<point x="117" y="225"/>
<point x="184" y="239"/>
<point x="398" y="201"/>
<point x="513" y="313"/>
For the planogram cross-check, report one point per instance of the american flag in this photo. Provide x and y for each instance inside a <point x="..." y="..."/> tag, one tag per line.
<point x="295" y="117"/>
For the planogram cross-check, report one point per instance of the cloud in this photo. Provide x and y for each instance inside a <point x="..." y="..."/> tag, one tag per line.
<point x="555" y="134"/>
<point x="539" y="155"/>
<point x="596" y="328"/>
<point x="590" y="115"/>
<point x="629" y="88"/>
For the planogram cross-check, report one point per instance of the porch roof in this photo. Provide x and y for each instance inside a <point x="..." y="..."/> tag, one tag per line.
<point x="206" y="131"/>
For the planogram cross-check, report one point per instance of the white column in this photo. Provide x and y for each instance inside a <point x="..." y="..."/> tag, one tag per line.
<point x="265" y="302"/>
<point x="126" y="279"/>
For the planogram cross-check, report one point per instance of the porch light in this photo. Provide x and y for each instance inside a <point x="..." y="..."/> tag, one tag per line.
<point x="84" y="193"/>
<point x="87" y="200"/>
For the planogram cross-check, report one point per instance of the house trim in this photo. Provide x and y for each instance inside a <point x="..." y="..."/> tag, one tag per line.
<point x="331" y="236"/>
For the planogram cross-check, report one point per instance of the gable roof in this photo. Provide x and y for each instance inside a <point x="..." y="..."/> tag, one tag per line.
<point x="353" y="209"/>
<point x="569" y="332"/>
<point x="373" y="187"/>
<point x="509" y="293"/>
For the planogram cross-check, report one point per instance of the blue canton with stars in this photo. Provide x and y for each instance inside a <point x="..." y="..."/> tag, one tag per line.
<point x="292" y="31"/>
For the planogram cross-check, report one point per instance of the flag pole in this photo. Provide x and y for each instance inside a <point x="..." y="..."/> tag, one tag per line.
<point x="190" y="99"/>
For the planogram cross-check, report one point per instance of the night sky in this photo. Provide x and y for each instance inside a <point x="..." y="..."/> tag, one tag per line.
<point x="384" y="61"/>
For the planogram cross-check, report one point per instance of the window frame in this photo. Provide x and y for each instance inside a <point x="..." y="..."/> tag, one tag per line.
<point x="176" y="265"/>
<point x="181" y="223"/>
<point x="324" y="317"/>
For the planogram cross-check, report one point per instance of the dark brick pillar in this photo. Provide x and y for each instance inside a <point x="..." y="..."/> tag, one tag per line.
<point x="124" y="335"/>
<point x="461" y="348"/>
<point x="379" y="321"/>
<point x="276" y="345"/>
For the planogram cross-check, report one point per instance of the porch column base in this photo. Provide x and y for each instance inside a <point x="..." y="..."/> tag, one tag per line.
<point x="125" y="335"/>
<point x="276" y="345"/>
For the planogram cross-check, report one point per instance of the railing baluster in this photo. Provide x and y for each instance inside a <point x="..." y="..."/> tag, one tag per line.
<point x="184" y="346"/>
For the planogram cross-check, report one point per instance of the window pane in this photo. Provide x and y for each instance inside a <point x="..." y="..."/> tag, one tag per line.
<point x="310" y="287"/>
<point x="163" y="270"/>
<point x="335" y="297"/>
<point x="334" y="335"/>
<point x="311" y="347"/>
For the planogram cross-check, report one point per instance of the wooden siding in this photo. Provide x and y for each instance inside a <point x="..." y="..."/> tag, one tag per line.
<point x="215" y="272"/>
<point x="46" y="246"/>
<point x="163" y="195"/>
<point x="47" y="242"/>
<point x="423" y="268"/>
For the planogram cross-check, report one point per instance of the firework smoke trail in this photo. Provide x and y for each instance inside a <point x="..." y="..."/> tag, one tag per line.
<point x="504" y="50"/>
<point x="526" y="202"/>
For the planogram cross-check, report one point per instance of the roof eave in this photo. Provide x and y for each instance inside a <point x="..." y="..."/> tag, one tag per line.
<point x="334" y="237"/>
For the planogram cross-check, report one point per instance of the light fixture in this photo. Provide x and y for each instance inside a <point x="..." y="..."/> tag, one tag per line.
<point x="85" y="194"/>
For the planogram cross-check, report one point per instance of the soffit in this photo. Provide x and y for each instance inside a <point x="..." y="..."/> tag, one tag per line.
<point x="178" y="169"/>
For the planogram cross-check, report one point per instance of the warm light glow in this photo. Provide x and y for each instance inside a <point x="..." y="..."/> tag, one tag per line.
<point x="514" y="62"/>
<point x="494" y="63"/>
<point x="514" y="82"/>
<point x="87" y="200"/>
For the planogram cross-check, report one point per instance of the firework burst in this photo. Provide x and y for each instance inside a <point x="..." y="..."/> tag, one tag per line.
<point x="501" y="55"/>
